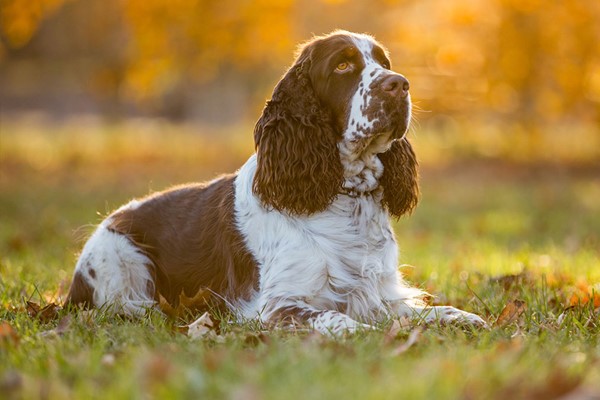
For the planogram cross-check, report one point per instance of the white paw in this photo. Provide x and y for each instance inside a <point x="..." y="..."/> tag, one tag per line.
<point x="451" y="315"/>
<point x="333" y="323"/>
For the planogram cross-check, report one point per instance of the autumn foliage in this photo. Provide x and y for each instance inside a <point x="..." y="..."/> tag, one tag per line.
<point x="528" y="62"/>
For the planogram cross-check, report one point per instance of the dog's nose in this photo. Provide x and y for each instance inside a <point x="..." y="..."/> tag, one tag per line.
<point x="396" y="85"/>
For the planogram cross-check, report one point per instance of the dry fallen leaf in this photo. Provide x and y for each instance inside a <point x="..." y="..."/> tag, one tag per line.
<point x="200" y="327"/>
<point x="186" y="305"/>
<point x="512" y="280"/>
<point x="199" y="300"/>
<point x="585" y="293"/>
<point x="45" y="314"/>
<point x="511" y="312"/>
<point x="166" y="307"/>
<point x="413" y="338"/>
<point x="32" y="308"/>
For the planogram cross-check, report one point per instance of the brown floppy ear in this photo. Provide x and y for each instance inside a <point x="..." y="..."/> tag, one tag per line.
<point x="298" y="166"/>
<point x="400" y="178"/>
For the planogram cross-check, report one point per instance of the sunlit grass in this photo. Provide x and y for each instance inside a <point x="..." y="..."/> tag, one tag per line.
<point x="477" y="223"/>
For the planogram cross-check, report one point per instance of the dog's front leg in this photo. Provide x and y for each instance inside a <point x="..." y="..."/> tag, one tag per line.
<point x="404" y="300"/>
<point x="441" y="314"/>
<point x="295" y="312"/>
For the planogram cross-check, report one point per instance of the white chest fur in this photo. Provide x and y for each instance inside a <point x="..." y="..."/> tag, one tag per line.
<point x="336" y="259"/>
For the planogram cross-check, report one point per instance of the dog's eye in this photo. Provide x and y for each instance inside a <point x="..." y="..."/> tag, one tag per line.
<point x="343" y="66"/>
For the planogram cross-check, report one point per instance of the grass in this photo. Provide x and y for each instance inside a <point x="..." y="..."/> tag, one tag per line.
<point x="486" y="233"/>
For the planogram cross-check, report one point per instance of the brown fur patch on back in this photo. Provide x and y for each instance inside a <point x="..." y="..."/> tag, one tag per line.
<point x="189" y="233"/>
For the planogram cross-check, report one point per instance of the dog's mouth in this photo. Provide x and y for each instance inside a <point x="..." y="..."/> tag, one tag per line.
<point x="389" y="114"/>
<point x="395" y="116"/>
<point x="371" y="144"/>
<point x="386" y="128"/>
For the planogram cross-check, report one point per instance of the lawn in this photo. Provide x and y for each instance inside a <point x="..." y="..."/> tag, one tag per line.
<point x="485" y="234"/>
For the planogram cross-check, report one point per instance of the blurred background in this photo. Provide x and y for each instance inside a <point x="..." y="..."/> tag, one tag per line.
<point x="514" y="79"/>
<point x="104" y="100"/>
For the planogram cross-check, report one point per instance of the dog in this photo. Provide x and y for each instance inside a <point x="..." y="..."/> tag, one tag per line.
<point x="301" y="232"/>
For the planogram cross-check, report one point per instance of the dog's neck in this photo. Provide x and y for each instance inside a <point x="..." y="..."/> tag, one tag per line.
<point x="362" y="167"/>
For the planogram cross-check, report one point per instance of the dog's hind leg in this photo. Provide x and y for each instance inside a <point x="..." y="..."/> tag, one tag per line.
<point x="112" y="273"/>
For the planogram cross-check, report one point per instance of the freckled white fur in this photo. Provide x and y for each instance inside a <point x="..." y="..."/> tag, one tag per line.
<point x="358" y="150"/>
<point x="120" y="278"/>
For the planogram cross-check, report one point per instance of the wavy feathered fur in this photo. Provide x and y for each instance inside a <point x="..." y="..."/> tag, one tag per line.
<point x="400" y="179"/>
<point x="296" y="146"/>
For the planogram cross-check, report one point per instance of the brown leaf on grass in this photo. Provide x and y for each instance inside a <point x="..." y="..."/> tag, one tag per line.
<point x="200" y="327"/>
<point x="32" y="309"/>
<point x="585" y="293"/>
<point x="510" y="280"/>
<point x="511" y="312"/>
<point x="197" y="302"/>
<point x="166" y="307"/>
<point x="45" y="314"/>
<point x="413" y="338"/>
<point x="185" y="305"/>
<point x="8" y="334"/>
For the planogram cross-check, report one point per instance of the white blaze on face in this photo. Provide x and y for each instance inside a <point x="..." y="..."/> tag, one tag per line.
<point x="362" y="170"/>
<point x="358" y="125"/>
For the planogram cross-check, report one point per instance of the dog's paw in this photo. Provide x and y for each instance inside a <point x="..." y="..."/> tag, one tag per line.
<point x="451" y="315"/>
<point x="336" y="324"/>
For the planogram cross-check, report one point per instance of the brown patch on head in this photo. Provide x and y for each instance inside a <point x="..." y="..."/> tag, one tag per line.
<point x="332" y="87"/>
<point x="298" y="166"/>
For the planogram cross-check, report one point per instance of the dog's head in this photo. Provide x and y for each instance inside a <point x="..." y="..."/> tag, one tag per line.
<point x="338" y="101"/>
